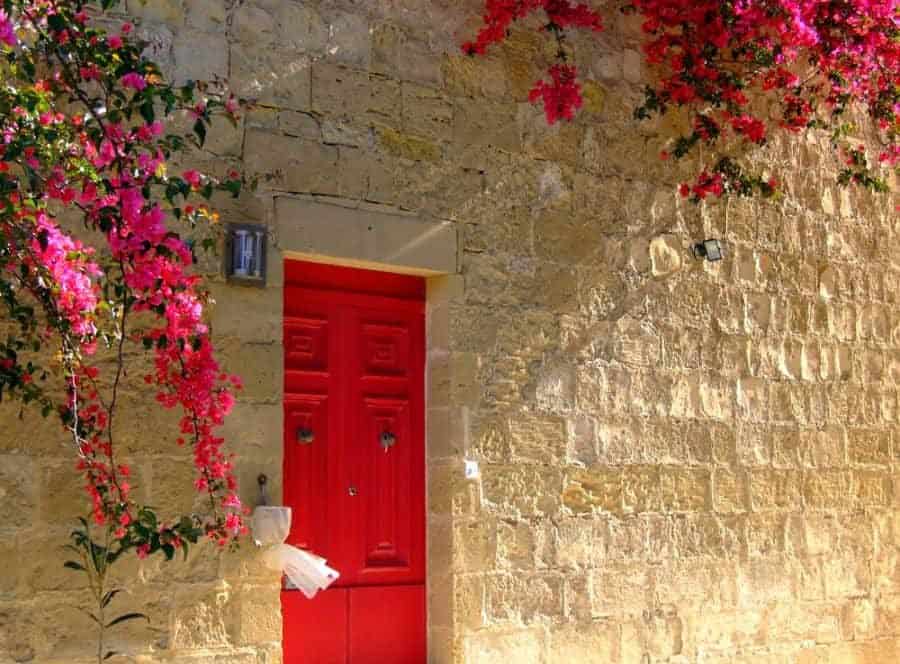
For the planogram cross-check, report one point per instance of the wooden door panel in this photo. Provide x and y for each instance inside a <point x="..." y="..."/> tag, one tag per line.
<point x="387" y="625"/>
<point x="385" y="350"/>
<point x="315" y="631"/>
<point x="306" y="463"/>
<point x="384" y="479"/>
<point x="385" y="398"/>
<point x="306" y="343"/>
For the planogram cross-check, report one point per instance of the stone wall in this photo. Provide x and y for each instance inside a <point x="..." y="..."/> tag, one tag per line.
<point x="680" y="461"/>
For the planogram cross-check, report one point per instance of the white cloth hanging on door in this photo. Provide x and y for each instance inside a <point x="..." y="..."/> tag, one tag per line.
<point x="306" y="571"/>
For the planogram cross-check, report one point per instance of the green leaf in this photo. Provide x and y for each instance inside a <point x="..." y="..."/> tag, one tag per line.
<point x="147" y="111"/>
<point x="108" y="597"/>
<point x="200" y="130"/>
<point x="71" y="564"/>
<point x="126" y="617"/>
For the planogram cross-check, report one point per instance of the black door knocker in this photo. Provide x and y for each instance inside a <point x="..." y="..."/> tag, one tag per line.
<point x="388" y="440"/>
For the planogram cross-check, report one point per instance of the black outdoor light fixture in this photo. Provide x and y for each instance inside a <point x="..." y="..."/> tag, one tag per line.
<point x="245" y="255"/>
<point x="710" y="249"/>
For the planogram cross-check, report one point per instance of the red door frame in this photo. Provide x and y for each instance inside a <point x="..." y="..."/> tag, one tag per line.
<point x="370" y="634"/>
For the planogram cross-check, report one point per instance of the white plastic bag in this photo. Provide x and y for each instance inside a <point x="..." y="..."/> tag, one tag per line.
<point x="306" y="571"/>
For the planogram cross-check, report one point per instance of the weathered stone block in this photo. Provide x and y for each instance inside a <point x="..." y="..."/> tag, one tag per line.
<point x="398" y="54"/>
<point x="24" y="431"/>
<point x="594" y="489"/>
<point x="474" y="546"/>
<point x="642" y="489"/>
<point x="774" y="489"/>
<point x="258" y="615"/>
<point x="621" y="591"/>
<point x="407" y="146"/>
<point x="273" y="77"/>
<point x="871" y="489"/>
<point x="496" y="647"/>
<point x="18" y="491"/>
<point x="252" y="24"/>
<point x="349" y="38"/>
<point x="207" y="15"/>
<point x="426" y="112"/>
<point x="200" y="56"/>
<point x="259" y="365"/>
<point x="201" y="617"/>
<point x="685" y="489"/>
<point x="526" y="597"/>
<point x="730" y="492"/>
<point x="523" y="490"/>
<point x="591" y="643"/>
<point x="826" y="488"/>
<point x="575" y="543"/>
<point x="539" y="440"/>
<point x="162" y="11"/>
<point x="342" y="92"/>
<point x="11" y="563"/>
<point x="290" y="163"/>
<point x="486" y="124"/>
<point x="869" y="446"/>
<point x="450" y="495"/>
<point x="62" y="495"/>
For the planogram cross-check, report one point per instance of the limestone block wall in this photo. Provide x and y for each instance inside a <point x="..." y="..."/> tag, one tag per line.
<point x="680" y="462"/>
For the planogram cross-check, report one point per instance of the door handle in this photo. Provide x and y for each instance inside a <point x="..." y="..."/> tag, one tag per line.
<point x="353" y="491"/>
<point x="305" y="436"/>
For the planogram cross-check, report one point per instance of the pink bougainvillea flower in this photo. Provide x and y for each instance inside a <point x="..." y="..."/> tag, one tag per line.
<point x="193" y="178"/>
<point x="88" y="158"/>
<point x="7" y="30"/>
<point x="134" y="80"/>
<point x="812" y="58"/>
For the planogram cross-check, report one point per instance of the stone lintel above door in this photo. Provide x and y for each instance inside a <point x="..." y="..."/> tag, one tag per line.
<point x="363" y="237"/>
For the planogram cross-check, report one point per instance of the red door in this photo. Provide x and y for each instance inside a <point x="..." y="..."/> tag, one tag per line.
<point x="354" y="462"/>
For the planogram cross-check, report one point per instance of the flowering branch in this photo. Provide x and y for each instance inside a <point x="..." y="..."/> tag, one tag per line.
<point x="714" y="57"/>
<point x="80" y="133"/>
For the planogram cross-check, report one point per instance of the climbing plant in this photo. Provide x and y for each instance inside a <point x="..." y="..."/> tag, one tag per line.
<point x="84" y="153"/>
<point x="741" y="70"/>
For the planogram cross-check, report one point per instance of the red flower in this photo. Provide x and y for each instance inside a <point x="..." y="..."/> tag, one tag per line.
<point x="561" y="97"/>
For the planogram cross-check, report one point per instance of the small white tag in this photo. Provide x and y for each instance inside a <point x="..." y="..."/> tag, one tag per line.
<point x="471" y="469"/>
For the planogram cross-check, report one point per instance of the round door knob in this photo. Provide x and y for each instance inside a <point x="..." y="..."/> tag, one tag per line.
<point x="353" y="491"/>
<point x="305" y="436"/>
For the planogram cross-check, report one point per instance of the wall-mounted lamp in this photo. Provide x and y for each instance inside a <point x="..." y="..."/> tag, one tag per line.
<point x="710" y="249"/>
<point x="245" y="255"/>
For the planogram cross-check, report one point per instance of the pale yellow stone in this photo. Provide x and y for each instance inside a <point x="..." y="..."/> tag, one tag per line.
<point x="680" y="462"/>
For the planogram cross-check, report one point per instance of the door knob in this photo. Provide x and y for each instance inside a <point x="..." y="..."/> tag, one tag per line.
<point x="305" y="436"/>
<point x="352" y="491"/>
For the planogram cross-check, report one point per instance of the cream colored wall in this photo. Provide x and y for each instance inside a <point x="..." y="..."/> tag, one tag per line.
<point x="680" y="462"/>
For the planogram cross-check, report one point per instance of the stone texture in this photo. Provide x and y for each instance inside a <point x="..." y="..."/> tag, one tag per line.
<point x="680" y="462"/>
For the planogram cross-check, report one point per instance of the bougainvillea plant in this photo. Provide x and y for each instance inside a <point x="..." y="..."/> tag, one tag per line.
<point x="727" y="63"/>
<point x="84" y="152"/>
